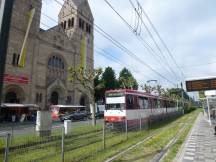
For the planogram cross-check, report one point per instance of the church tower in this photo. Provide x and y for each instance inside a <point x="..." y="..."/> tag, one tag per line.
<point x="77" y="21"/>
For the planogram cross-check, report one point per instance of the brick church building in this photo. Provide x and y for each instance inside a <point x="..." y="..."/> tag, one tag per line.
<point x="43" y="79"/>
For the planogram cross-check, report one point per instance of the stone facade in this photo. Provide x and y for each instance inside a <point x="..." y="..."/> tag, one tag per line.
<point x="44" y="78"/>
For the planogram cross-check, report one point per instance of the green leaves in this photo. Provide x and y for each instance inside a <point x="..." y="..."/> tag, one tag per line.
<point x="126" y="80"/>
<point x="85" y="77"/>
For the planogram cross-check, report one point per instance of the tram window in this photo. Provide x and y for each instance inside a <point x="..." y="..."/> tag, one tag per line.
<point x="141" y="102"/>
<point x="146" y="103"/>
<point x="117" y="106"/>
<point x="168" y="104"/>
<point x="154" y="103"/>
<point x="130" y="102"/>
<point x="161" y="103"/>
<point x="158" y="104"/>
<point x="165" y="104"/>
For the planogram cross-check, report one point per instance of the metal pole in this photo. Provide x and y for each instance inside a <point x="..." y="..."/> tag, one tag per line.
<point x="12" y="134"/>
<point x="7" y="147"/>
<point x="62" y="144"/>
<point x="182" y="97"/>
<point x="126" y="128"/>
<point x="209" y="111"/>
<point x="5" y="20"/>
<point x="140" y="123"/>
<point x="104" y="135"/>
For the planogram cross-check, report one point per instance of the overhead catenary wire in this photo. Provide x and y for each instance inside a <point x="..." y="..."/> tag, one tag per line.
<point x="162" y="41"/>
<point x="152" y="37"/>
<point x="140" y="38"/>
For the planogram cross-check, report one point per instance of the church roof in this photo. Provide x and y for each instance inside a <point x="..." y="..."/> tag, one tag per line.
<point x="76" y="4"/>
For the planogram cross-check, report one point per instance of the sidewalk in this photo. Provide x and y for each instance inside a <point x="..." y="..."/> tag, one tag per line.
<point x="200" y="146"/>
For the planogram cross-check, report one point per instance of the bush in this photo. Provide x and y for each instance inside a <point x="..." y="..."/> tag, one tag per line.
<point x="189" y="109"/>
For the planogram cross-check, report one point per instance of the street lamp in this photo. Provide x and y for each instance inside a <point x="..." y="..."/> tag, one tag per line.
<point x="152" y="80"/>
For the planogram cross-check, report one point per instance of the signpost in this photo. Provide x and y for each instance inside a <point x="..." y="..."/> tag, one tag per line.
<point x="204" y="84"/>
<point x="201" y="85"/>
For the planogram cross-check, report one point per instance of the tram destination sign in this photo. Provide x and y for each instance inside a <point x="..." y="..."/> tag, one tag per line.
<point x="201" y="85"/>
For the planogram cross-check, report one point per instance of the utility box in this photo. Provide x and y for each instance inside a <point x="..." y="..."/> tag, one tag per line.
<point x="43" y="123"/>
<point x="67" y="126"/>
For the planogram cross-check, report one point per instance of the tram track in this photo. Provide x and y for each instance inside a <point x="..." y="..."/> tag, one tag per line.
<point x="160" y="156"/>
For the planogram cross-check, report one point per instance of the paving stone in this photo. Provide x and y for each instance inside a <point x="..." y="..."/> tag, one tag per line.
<point x="190" y="153"/>
<point x="188" y="158"/>
<point x="201" y="143"/>
<point x="190" y="150"/>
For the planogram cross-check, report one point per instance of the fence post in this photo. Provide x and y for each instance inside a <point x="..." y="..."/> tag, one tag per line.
<point x="104" y="135"/>
<point x="7" y="147"/>
<point x="149" y="122"/>
<point x="140" y="123"/>
<point x="126" y="128"/>
<point x="62" y="144"/>
<point x="12" y="134"/>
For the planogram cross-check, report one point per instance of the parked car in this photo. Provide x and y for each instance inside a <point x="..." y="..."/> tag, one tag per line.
<point x="98" y="115"/>
<point x="74" y="116"/>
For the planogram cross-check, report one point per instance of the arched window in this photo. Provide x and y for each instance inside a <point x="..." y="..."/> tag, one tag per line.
<point x="72" y="22"/>
<point x="65" y="23"/>
<point x="56" y="63"/>
<point x="69" y="23"/>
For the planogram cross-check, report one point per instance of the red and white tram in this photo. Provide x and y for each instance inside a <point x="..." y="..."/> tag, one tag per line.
<point x="134" y="105"/>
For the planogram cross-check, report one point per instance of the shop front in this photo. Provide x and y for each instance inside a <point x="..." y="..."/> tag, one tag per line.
<point x="18" y="112"/>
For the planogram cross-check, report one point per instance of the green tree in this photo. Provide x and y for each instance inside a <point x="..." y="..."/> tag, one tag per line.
<point x="99" y="88"/>
<point x="86" y="78"/>
<point x="109" y="79"/>
<point x="146" y="88"/>
<point x="127" y="80"/>
<point x="178" y="92"/>
<point x="160" y="90"/>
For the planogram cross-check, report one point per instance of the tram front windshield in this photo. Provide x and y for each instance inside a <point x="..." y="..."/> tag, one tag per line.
<point x="115" y="101"/>
<point x="116" y="106"/>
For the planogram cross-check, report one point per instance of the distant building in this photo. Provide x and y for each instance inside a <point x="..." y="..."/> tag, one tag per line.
<point x="44" y="78"/>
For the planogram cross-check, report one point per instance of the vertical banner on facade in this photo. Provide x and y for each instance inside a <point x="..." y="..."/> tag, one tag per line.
<point x="24" y="46"/>
<point x="83" y="51"/>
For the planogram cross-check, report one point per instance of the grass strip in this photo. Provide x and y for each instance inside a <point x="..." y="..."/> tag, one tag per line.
<point x="147" y="150"/>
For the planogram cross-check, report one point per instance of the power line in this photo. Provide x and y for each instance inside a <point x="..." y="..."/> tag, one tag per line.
<point x="162" y="41"/>
<point x="150" y="34"/>
<point x="131" y="54"/>
<point x="140" y="38"/>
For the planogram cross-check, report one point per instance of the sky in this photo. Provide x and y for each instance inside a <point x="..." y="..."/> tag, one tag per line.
<point x="188" y="28"/>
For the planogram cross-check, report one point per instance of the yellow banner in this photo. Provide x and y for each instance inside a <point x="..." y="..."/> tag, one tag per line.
<point x="24" y="46"/>
<point x="83" y="51"/>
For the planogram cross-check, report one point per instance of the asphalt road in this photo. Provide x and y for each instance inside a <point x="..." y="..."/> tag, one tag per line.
<point x="22" y="129"/>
